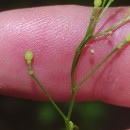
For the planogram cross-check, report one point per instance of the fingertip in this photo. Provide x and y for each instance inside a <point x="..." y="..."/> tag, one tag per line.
<point x="53" y="33"/>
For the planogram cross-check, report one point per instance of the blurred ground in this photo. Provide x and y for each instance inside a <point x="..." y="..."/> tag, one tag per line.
<point x="19" y="114"/>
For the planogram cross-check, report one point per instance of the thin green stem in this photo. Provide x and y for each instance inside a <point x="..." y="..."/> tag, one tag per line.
<point x="32" y="74"/>
<point x="102" y="13"/>
<point x="76" y="58"/>
<point x="88" y="36"/>
<point x="118" y="47"/>
<point x="97" y="13"/>
<point x="71" y="103"/>
<point x="89" y="31"/>
<point x="67" y="124"/>
<point x="103" y="4"/>
<point x="81" y="45"/>
<point x="112" y="28"/>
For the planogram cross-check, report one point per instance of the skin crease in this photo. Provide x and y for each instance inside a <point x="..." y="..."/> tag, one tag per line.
<point x="53" y="33"/>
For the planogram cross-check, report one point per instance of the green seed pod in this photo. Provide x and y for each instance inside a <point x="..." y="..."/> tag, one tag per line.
<point x="128" y="38"/>
<point x="97" y="3"/>
<point x="28" y="56"/>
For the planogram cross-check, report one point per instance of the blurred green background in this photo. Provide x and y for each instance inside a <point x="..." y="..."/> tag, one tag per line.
<point x="21" y="114"/>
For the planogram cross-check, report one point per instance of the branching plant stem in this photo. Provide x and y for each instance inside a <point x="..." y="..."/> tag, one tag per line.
<point x="98" y="11"/>
<point x="89" y="33"/>
<point x="117" y="48"/>
<point x="32" y="74"/>
<point x="112" y="28"/>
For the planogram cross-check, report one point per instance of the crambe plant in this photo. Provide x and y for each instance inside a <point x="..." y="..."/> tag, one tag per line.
<point x="100" y="7"/>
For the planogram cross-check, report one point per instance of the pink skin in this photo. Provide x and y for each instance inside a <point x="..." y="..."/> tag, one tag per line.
<point x="53" y="33"/>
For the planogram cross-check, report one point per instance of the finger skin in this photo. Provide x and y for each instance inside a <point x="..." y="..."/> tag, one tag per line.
<point x="53" y="33"/>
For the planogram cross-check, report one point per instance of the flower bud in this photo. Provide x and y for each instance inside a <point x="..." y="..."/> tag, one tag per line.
<point x="97" y="3"/>
<point x="28" y="56"/>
